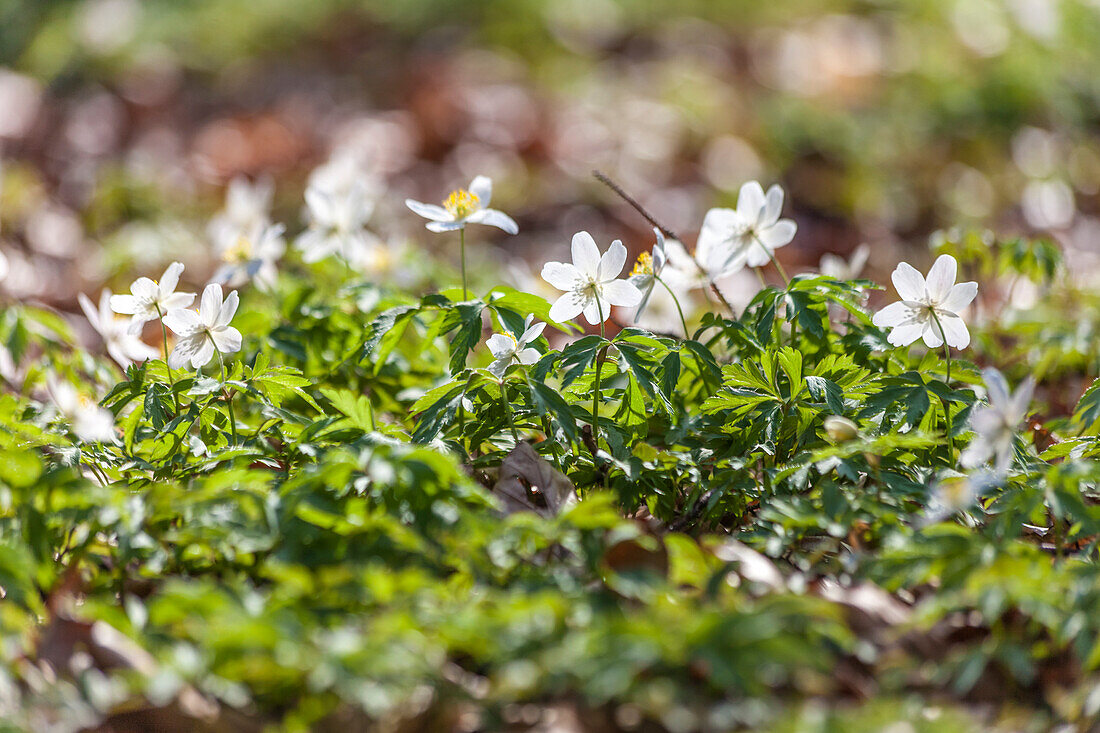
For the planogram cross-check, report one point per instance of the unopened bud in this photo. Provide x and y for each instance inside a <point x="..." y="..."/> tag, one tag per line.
<point x="840" y="429"/>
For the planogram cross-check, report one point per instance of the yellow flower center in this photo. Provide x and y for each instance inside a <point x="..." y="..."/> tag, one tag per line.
<point x="644" y="265"/>
<point x="241" y="251"/>
<point x="515" y="342"/>
<point x="461" y="203"/>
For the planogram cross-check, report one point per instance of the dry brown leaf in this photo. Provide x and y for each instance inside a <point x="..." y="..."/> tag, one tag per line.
<point x="528" y="483"/>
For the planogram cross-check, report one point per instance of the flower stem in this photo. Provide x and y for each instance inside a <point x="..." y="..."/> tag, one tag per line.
<point x="596" y="390"/>
<point x="947" y="382"/>
<point x="462" y="251"/>
<point x="508" y="410"/>
<point x="683" y="321"/>
<point x="778" y="267"/>
<point x="167" y="369"/>
<point x="228" y="396"/>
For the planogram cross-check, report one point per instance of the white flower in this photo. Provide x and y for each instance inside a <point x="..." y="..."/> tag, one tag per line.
<point x="201" y="332"/>
<point x="953" y="494"/>
<point x="995" y="424"/>
<point x="247" y="209"/>
<point x="123" y="346"/>
<point x="506" y="348"/>
<point x="646" y="271"/>
<point x="250" y="255"/>
<point x="748" y="235"/>
<point x="590" y="284"/>
<point x="336" y="221"/>
<point x="150" y="300"/>
<point x="464" y="206"/>
<point x="923" y="303"/>
<point x="88" y="420"/>
<point x="839" y="268"/>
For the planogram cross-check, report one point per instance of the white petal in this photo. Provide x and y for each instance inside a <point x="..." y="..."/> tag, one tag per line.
<point x="586" y="255"/>
<point x="908" y="282"/>
<point x="528" y="356"/>
<point x="444" y="226"/>
<point x="773" y="204"/>
<point x="228" y="310"/>
<point x="498" y="367"/>
<point x="182" y="321"/>
<point x="954" y="330"/>
<point x="906" y="333"/>
<point x="621" y="292"/>
<point x="779" y="234"/>
<point x="960" y="296"/>
<point x="532" y="333"/>
<point x="429" y="211"/>
<point x="596" y="312"/>
<point x="494" y="218"/>
<point x="892" y="315"/>
<point x="612" y="262"/>
<point x="171" y="277"/>
<point x="482" y="187"/>
<point x="227" y="340"/>
<point x="941" y="278"/>
<point x="90" y="312"/>
<point x="750" y="202"/>
<point x="145" y="289"/>
<point x="203" y="353"/>
<point x="125" y="304"/>
<point x="713" y="246"/>
<point x="995" y="384"/>
<point x="176" y="300"/>
<point x="500" y="346"/>
<point x="561" y="275"/>
<point x="567" y="307"/>
<point x="211" y="304"/>
<point x="931" y="335"/>
<point x="185" y="348"/>
<point x="1022" y="399"/>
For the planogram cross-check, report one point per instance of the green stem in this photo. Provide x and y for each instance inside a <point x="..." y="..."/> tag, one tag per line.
<point x="228" y="397"/>
<point x="683" y="321"/>
<point x="462" y="250"/>
<point x="508" y="410"/>
<point x="947" y="382"/>
<point x="599" y="370"/>
<point x="771" y="256"/>
<point x="167" y="369"/>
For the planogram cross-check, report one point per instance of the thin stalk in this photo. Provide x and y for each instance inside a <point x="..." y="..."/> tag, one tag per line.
<point x="462" y="252"/>
<point x="508" y="410"/>
<point x="228" y="397"/>
<point x="947" y="381"/>
<point x="683" y="321"/>
<point x="599" y="370"/>
<point x="778" y="267"/>
<point x="167" y="369"/>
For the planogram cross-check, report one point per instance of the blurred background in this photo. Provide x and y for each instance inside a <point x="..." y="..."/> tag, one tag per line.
<point x="121" y="122"/>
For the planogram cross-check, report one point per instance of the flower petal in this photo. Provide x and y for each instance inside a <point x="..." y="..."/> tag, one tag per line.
<point x="494" y="218"/>
<point x="90" y="312"/>
<point x="621" y="292"/>
<point x="941" y="278"/>
<point x="955" y="332"/>
<point x="933" y="339"/>
<point x="227" y="340"/>
<point x="892" y="315"/>
<point x="500" y="346"/>
<point x="532" y="333"/>
<point x="779" y="234"/>
<point x="444" y="226"/>
<point x="612" y="262"/>
<point x="228" y="310"/>
<point x="171" y="278"/>
<point x="906" y="333"/>
<point x="586" y="255"/>
<point x="750" y="202"/>
<point x="561" y="275"/>
<point x="528" y="356"/>
<point x="127" y="305"/>
<point x="908" y="282"/>
<point x="567" y="307"/>
<point x="429" y="211"/>
<point x="182" y="321"/>
<point x="482" y="187"/>
<point x="203" y="353"/>
<point x="773" y="204"/>
<point x="959" y="297"/>
<point x="211" y="304"/>
<point x="999" y="394"/>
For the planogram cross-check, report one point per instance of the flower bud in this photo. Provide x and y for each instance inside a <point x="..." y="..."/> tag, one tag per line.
<point x="840" y="429"/>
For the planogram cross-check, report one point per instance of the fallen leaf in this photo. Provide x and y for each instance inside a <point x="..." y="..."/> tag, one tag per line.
<point x="528" y="483"/>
